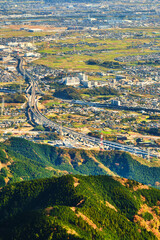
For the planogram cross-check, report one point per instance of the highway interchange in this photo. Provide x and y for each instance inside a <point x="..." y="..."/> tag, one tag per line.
<point x="37" y="117"/>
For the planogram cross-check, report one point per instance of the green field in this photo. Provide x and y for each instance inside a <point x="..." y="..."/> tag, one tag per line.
<point x="112" y="48"/>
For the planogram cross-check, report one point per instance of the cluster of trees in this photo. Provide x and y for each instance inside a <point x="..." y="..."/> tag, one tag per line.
<point x="152" y="130"/>
<point x="3" y="157"/>
<point x="107" y="64"/>
<point x="73" y="93"/>
<point x="3" y="171"/>
<point x="14" y="98"/>
<point x="68" y="93"/>
<point x="47" y="97"/>
<point x="101" y="91"/>
<point x="151" y="195"/>
<point x="149" y="62"/>
<point x="154" y="117"/>
<point x="49" y="136"/>
<point x="125" y="166"/>
<point x="2" y="181"/>
<point x="128" y="119"/>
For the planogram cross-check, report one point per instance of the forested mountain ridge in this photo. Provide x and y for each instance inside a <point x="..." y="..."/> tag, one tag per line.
<point x="24" y="160"/>
<point x="79" y="207"/>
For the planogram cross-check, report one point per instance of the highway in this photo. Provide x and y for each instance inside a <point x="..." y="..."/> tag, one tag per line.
<point x="37" y="117"/>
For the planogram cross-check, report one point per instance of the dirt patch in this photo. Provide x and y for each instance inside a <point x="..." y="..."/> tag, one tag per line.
<point x="73" y="209"/>
<point x="56" y="170"/>
<point x="143" y="198"/>
<point x="140" y="186"/>
<point x="2" y="165"/>
<point x="84" y="130"/>
<point x="86" y="219"/>
<point x="50" y="168"/>
<point x="152" y="225"/>
<point x="72" y="231"/>
<point x="76" y="181"/>
<point x="5" y="153"/>
<point x="123" y="181"/>
<point x="80" y="203"/>
<point x="36" y="153"/>
<point x="6" y="180"/>
<point x="111" y="206"/>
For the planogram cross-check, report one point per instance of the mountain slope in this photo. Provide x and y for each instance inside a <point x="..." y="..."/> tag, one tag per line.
<point x="78" y="207"/>
<point x="23" y="160"/>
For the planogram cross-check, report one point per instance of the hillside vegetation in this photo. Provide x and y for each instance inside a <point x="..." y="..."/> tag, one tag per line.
<point x="24" y="160"/>
<point x="79" y="207"/>
<point x="70" y="93"/>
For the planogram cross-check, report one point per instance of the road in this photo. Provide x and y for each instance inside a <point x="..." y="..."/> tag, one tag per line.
<point x="110" y="106"/>
<point x="37" y="117"/>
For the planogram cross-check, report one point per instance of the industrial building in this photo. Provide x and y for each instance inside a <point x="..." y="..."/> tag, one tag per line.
<point x="80" y="80"/>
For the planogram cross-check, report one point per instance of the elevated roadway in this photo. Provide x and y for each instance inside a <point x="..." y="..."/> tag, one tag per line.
<point x="39" y="118"/>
